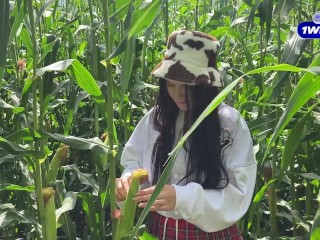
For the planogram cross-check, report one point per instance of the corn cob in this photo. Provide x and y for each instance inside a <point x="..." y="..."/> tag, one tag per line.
<point x="50" y="213"/>
<point x="60" y="155"/>
<point x="129" y="210"/>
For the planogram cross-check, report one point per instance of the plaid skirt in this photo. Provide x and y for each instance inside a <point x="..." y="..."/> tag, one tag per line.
<point x="179" y="229"/>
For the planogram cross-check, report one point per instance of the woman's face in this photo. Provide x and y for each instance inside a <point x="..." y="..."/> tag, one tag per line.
<point x="177" y="92"/>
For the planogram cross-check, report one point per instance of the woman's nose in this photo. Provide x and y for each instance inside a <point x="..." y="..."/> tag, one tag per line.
<point x="180" y="92"/>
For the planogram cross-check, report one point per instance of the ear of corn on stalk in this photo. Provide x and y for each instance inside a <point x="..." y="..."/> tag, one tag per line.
<point x="60" y="155"/>
<point x="50" y="213"/>
<point x="126" y="222"/>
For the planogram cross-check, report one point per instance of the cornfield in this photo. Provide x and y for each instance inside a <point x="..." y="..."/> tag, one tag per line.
<point x="75" y="80"/>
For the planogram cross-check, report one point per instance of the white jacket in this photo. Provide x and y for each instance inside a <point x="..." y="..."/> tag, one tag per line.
<point x="210" y="210"/>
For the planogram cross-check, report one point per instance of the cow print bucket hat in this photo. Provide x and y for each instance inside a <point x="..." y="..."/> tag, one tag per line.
<point x="190" y="58"/>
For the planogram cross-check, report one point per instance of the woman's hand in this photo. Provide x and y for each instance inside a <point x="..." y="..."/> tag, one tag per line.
<point x="122" y="187"/>
<point x="166" y="201"/>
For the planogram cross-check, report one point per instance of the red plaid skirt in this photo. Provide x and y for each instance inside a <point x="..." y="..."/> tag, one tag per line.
<point x="187" y="231"/>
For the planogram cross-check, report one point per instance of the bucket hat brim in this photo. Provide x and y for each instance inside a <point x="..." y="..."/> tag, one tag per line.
<point x="187" y="73"/>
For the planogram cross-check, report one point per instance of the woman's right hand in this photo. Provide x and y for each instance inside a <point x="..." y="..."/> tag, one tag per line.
<point x="122" y="187"/>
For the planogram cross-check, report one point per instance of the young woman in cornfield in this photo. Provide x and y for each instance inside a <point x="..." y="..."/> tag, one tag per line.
<point x="212" y="181"/>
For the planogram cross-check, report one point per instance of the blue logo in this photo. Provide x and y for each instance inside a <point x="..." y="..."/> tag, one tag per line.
<point x="310" y="30"/>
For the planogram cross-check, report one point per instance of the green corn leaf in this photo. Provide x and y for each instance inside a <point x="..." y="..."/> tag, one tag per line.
<point x="26" y="39"/>
<point x="262" y="124"/>
<point x="84" y="178"/>
<point x="13" y="187"/>
<point x="251" y="17"/>
<point x="284" y="6"/>
<point x="84" y="80"/>
<point x="138" y="86"/>
<point x="58" y="66"/>
<point x="147" y="236"/>
<point x="15" y="149"/>
<point x="44" y="7"/>
<point x="68" y="204"/>
<point x="88" y="206"/>
<point x="17" y="22"/>
<point x="293" y="142"/>
<point x="3" y="104"/>
<point x="310" y="176"/>
<point x="4" y="36"/>
<point x="259" y="195"/>
<point x="8" y="157"/>
<point x="64" y="220"/>
<point x="27" y="86"/>
<point x="315" y="231"/>
<point x="8" y="214"/>
<point x="120" y="11"/>
<point x="234" y="34"/>
<point x="127" y="63"/>
<point x="94" y="144"/>
<point x="293" y="49"/>
<point x="250" y="104"/>
<point x="117" y="51"/>
<point x="143" y="18"/>
<point x="265" y="9"/>
<point x="306" y="89"/>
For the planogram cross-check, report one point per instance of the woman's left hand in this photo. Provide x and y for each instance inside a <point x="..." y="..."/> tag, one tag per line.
<point x="166" y="200"/>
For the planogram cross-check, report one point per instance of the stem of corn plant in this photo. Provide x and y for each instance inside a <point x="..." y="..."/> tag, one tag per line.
<point x="196" y="17"/>
<point x="273" y="197"/>
<point x="112" y="166"/>
<point x="293" y="197"/>
<point x="94" y="64"/>
<point x="166" y="18"/>
<point x="205" y="10"/>
<point x="38" y="179"/>
<point x="309" y="194"/>
<point x="258" y="216"/>
<point x="100" y="172"/>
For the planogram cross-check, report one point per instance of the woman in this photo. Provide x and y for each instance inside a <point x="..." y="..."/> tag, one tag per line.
<point x="212" y="180"/>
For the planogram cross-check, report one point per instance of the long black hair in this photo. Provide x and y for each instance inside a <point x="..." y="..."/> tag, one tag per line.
<point x="204" y="163"/>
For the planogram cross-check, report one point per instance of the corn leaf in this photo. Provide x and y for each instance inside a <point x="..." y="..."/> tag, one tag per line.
<point x="262" y="124"/>
<point x="17" y="22"/>
<point x="306" y="89"/>
<point x="15" y="149"/>
<point x="13" y="187"/>
<point x="94" y="144"/>
<point x="44" y="7"/>
<point x="8" y="214"/>
<point x="68" y="204"/>
<point x="4" y="36"/>
<point x="315" y="230"/>
<point x="84" y="178"/>
<point x="293" y="142"/>
<point x="143" y="18"/>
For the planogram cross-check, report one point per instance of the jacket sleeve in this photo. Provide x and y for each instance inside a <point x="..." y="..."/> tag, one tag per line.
<point x="215" y="209"/>
<point x="132" y="155"/>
